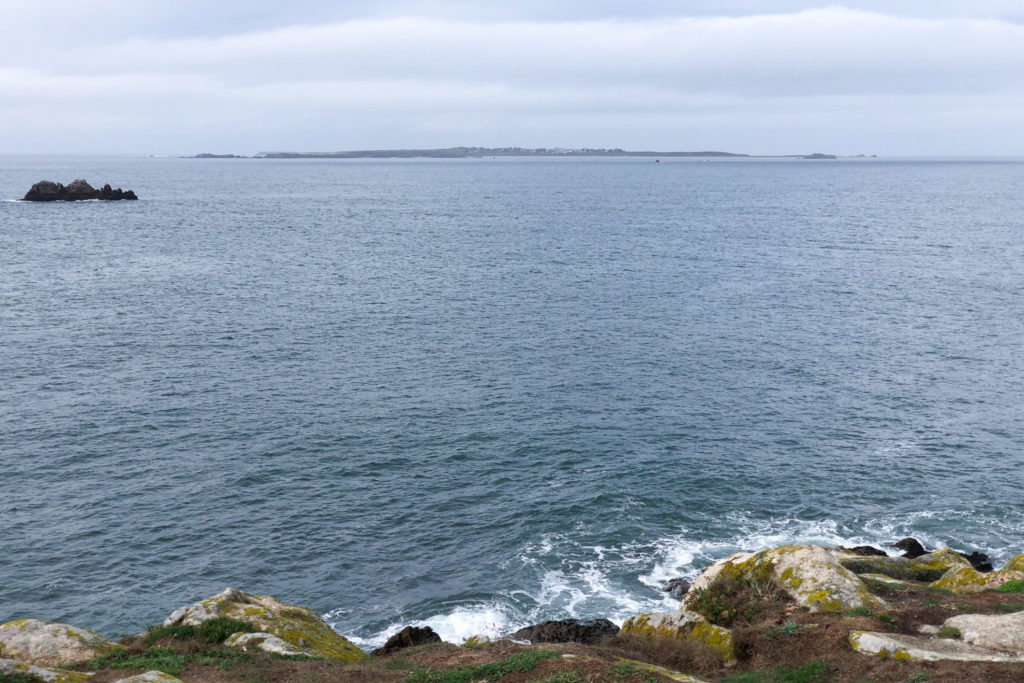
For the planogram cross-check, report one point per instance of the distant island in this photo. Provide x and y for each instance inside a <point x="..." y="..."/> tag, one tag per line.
<point x="482" y="152"/>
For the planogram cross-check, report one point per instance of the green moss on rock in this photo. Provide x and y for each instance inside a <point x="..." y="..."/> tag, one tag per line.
<point x="297" y="626"/>
<point x="929" y="567"/>
<point x="683" y="626"/>
<point x="970" y="580"/>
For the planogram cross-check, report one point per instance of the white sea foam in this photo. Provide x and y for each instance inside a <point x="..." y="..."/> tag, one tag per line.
<point x="572" y="579"/>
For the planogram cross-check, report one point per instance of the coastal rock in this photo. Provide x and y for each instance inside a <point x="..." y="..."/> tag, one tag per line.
<point x="45" y="643"/>
<point x="12" y="668"/>
<point x="909" y="648"/>
<point x="410" y="636"/>
<point x="299" y="627"/>
<point x="1015" y="564"/>
<point x="676" y="588"/>
<point x="684" y="625"/>
<point x="477" y="640"/>
<point x="812" y="575"/>
<point x="267" y="642"/>
<point x="970" y="580"/>
<point x="661" y="671"/>
<point x="868" y="551"/>
<point x="150" y="677"/>
<point x="77" y="190"/>
<point x="913" y="549"/>
<point x="567" y="631"/>
<point x="1003" y="632"/>
<point x="911" y="546"/>
<point x="927" y="567"/>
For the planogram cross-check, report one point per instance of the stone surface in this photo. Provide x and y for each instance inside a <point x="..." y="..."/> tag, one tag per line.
<point x="77" y="190"/>
<point x="1015" y="564"/>
<point x="911" y="546"/>
<point x="410" y="636"/>
<point x="150" y="677"/>
<point x="970" y="580"/>
<point x="918" y="649"/>
<point x="45" y="643"/>
<point x="567" y="631"/>
<point x="1003" y="632"/>
<point x="927" y="567"/>
<point x="683" y="625"/>
<point x="12" y="667"/>
<point x="677" y="587"/>
<point x="661" y="671"/>
<point x="267" y="642"/>
<point x="300" y="627"/>
<point x="812" y="575"/>
<point x="476" y="640"/>
<point x="884" y="578"/>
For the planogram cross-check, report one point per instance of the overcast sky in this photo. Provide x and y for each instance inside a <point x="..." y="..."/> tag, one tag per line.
<point x="928" y="77"/>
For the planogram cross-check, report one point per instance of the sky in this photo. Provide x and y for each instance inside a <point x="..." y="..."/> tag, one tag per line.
<point x="895" y="78"/>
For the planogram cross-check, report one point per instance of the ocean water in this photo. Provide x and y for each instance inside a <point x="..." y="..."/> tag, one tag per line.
<point x="476" y="394"/>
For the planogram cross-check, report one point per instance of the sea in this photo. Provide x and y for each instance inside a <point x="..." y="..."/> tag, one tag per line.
<point x="476" y="394"/>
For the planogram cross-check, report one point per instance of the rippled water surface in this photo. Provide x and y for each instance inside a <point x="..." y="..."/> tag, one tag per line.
<point x="480" y="393"/>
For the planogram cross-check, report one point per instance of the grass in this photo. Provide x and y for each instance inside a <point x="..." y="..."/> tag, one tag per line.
<point x="789" y="628"/>
<point x="740" y="596"/>
<point x="16" y="678"/>
<point x="159" y="658"/>
<point x="812" y="672"/>
<point x="948" y="632"/>
<point x="857" y="612"/>
<point x="931" y="602"/>
<point x="940" y="591"/>
<point x="888" y="620"/>
<point x="521" y="661"/>
<point x="211" y="631"/>
<point x="1012" y="586"/>
<point x="1006" y="607"/>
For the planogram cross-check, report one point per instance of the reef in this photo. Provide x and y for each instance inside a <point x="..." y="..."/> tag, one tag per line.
<point x="77" y="190"/>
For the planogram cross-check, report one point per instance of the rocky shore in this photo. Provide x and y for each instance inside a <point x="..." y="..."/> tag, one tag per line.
<point x="808" y="613"/>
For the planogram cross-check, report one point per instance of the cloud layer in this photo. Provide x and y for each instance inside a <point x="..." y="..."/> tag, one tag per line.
<point x="832" y="79"/>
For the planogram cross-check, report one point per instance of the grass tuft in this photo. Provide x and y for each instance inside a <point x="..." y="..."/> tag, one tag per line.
<point x="739" y="596"/>
<point x="812" y="672"/>
<point x="1012" y="586"/>
<point x="948" y="632"/>
<point x="521" y="661"/>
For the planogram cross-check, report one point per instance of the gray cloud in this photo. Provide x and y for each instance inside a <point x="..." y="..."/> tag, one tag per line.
<point x="834" y="78"/>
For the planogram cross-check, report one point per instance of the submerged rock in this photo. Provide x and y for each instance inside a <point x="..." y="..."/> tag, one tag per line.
<point x="567" y="631"/>
<point x="683" y="625"/>
<point x="299" y="627"/>
<point x="77" y="190"/>
<point x="410" y="636"/>
<point x="45" y="643"/>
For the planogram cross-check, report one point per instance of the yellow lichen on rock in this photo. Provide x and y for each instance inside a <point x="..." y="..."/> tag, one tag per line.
<point x="683" y="625"/>
<point x="928" y="567"/>
<point x="970" y="580"/>
<point x="1015" y="564"/>
<point x="12" y="668"/>
<point x="45" y="643"/>
<point x="299" y="627"/>
<point x="812" y="575"/>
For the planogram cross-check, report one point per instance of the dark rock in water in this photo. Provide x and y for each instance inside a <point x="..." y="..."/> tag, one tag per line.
<point x="911" y="546"/>
<point x="868" y="551"/>
<point x="978" y="560"/>
<point x="410" y="636"/>
<point x="914" y="549"/>
<point x="567" y="631"/>
<point x="78" y="190"/>
<point x="676" y="587"/>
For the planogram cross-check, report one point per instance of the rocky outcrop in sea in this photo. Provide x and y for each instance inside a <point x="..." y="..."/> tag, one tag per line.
<point x="77" y="190"/>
